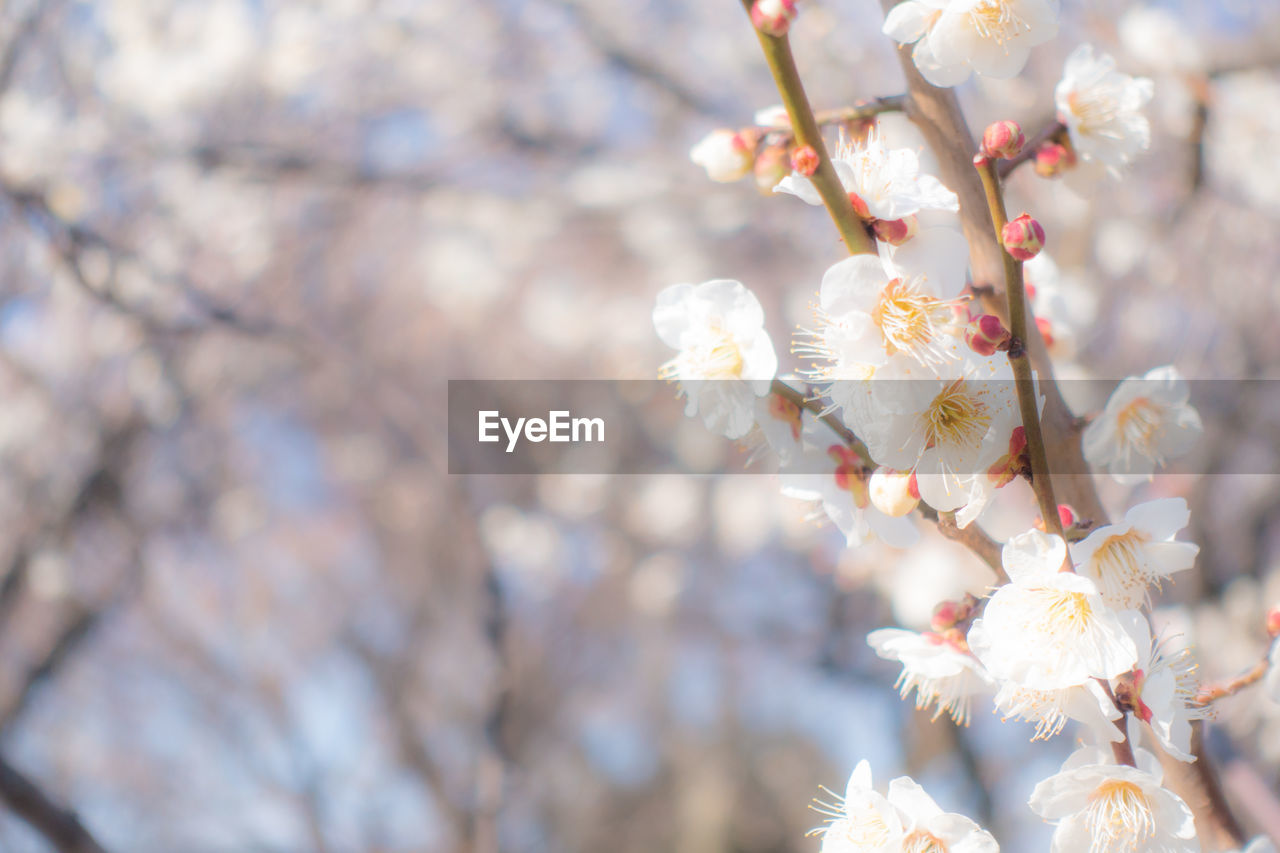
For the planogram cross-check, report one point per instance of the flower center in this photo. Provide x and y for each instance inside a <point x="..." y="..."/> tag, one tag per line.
<point x="1067" y="613"/>
<point x="923" y="842"/>
<point x="715" y="355"/>
<point x="996" y="20"/>
<point x="1093" y="111"/>
<point x="909" y="320"/>
<point x="956" y="417"/>
<point x="1120" y="816"/>
<point x="1121" y="565"/>
<point x="864" y="831"/>
<point x="1138" y="422"/>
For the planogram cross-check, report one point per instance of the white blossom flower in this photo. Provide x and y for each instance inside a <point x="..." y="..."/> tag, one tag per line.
<point x="939" y="668"/>
<point x="948" y="429"/>
<point x="1161" y="689"/>
<point x="1127" y="558"/>
<point x="886" y="180"/>
<point x="955" y="37"/>
<point x="779" y="425"/>
<point x="1104" y="807"/>
<point x="860" y="820"/>
<point x="1101" y="108"/>
<point x="872" y="308"/>
<point x="1047" y="629"/>
<point x="1146" y="421"/>
<point x="1050" y="710"/>
<point x="827" y="471"/>
<point x="725" y="357"/>
<point x="928" y="829"/>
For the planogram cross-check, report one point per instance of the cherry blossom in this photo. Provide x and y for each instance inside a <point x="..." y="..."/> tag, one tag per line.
<point x="1127" y="558"/>
<point x="725" y="358"/>
<point x="952" y="38"/>
<point x="1102" y="109"/>
<point x="1146" y="421"/>
<point x="1047" y="629"/>
<point x="937" y="666"/>
<point x="1105" y="807"/>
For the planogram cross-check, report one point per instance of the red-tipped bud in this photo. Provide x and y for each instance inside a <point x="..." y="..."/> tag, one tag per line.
<point x="804" y="160"/>
<point x="945" y="616"/>
<point x="859" y="206"/>
<point x="1002" y="140"/>
<point x="773" y="17"/>
<point x="1273" y="621"/>
<point x="1046" y="330"/>
<point x="894" y="492"/>
<point x="895" y="232"/>
<point x="771" y="167"/>
<point x="1015" y="462"/>
<point x="986" y="335"/>
<point x="1023" y="238"/>
<point x="1066" y="516"/>
<point x="1054" y="158"/>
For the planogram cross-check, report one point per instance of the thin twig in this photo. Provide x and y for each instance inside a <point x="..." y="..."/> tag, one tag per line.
<point x="777" y="52"/>
<point x="1018" y="358"/>
<point x="59" y="826"/>
<point x="1250" y="676"/>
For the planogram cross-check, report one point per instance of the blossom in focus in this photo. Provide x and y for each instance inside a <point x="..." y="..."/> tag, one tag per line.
<point x="1161" y="690"/>
<point x="1047" y="629"/>
<point x="1146" y="421"/>
<point x="949" y="429"/>
<point x="886" y="181"/>
<point x="1125" y="559"/>
<point x="1102" y="806"/>
<point x="937" y="666"/>
<point x="1102" y="109"/>
<point x="725" y="154"/>
<point x="955" y="37"/>
<point x="725" y="359"/>
<point x="873" y="308"/>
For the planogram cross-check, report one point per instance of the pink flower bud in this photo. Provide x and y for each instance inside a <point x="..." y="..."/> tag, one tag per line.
<point x="986" y="335"/>
<point x="1054" y="158"/>
<point x="804" y="160"/>
<point x="726" y="155"/>
<point x="891" y="492"/>
<point x="945" y="616"/>
<point x="1023" y="238"/>
<point x="773" y="17"/>
<point x="1002" y="140"/>
<point x="1273" y="621"/>
<point x="895" y="232"/>
<point x="771" y="167"/>
<point x="859" y="206"/>
<point x="1066" y="516"/>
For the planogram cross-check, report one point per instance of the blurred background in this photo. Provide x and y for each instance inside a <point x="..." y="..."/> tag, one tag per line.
<point x="243" y="244"/>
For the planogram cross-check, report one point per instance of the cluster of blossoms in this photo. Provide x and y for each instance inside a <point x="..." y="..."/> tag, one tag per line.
<point x="911" y="400"/>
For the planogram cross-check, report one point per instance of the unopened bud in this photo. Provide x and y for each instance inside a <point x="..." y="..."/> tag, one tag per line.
<point x="894" y="492"/>
<point x="1002" y="140"/>
<point x="948" y="615"/>
<point x="1273" y="621"/>
<point x="1013" y="463"/>
<point x="725" y="154"/>
<point x="771" y="167"/>
<point x="895" y="232"/>
<point x="804" y="160"/>
<point x="859" y="206"/>
<point x="773" y="17"/>
<point x="1054" y="158"/>
<point x="986" y="335"/>
<point x="1066" y="516"/>
<point x="1023" y="238"/>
